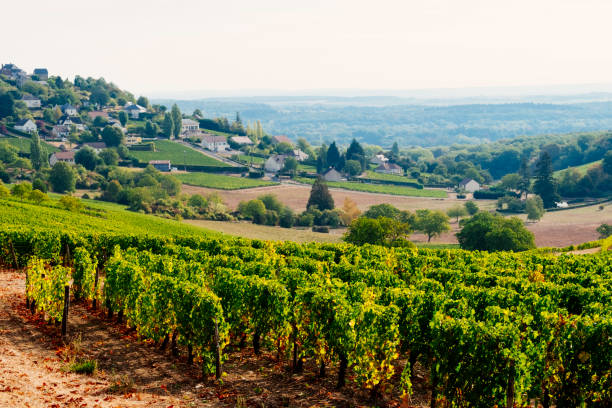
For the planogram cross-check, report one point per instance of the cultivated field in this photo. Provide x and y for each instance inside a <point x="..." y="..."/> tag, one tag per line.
<point x="382" y="188"/>
<point x="221" y="181"/>
<point x="178" y="154"/>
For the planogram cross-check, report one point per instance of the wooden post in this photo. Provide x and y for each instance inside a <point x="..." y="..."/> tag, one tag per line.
<point x="14" y="255"/>
<point x="26" y="290"/>
<point x="94" y="302"/>
<point x="217" y="351"/>
<point x="66" y="307"/>
<point x="342" y="371"/>
<point x="510" y="388"/>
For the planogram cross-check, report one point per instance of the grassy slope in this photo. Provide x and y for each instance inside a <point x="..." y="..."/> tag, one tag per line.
<point x="381" y="188"/>
<point x="177" y="153"/>
<point x="23" y="144"/>
<point x="221" y="181"/>
<point x="580" y="169"/>
<point x="390" y="177"/>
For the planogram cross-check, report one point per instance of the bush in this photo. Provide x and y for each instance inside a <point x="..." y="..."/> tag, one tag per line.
<point x="286" y="218"/>
<point x="71" y="203"/>
<point x="488" y="232"/>
<point x="271" y="218"/>
<point x="305" y="220"/>
<point x="40" y="185"/>
<point x="321" y="228"/>
<point x="84" y="367"/>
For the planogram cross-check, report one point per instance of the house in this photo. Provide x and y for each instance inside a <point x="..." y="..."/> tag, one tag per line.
<point x="389" y="168"/>
<point x="214" y="143"/>
<point x="132" y="140"/>
<point x="161" y="165"/>
<point x="69" y="110"/>
<point x="12" y="71"/>
<point x="60" y="131"/>
<point x="379" y="159"/>
<point x="332" y="175"/>
<point x="66" y="157"/>
<point x="95" y="114"/>
<point x="469" y="185"/>
<point x="189" y="126"/>
<point x="241" y="140"/>
<point x="26" y="125"/>
<point x="30" y="101"/>
<point x="41" y="73"/>
<point x="97" y="146"/>
<point x="275" y="163"/>
<point x="300" y="155"/>
<point x="72" y="121"/>
<point x="281" y="139"/>
<point x="134" y="110"/>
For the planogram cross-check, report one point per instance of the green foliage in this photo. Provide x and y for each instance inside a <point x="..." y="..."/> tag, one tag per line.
<point x="21" y="190"/>
<point x="62" y="178"/>
<point x="378" y="231"/>
<point x="604" y="231"/>
<point x="38" y="156"/>
<point x="84" y="275"/>
<point x="177" y="120"/>
<point x="84" y="366"/>
<point x="381" y="188"/>
<point x="87" y="158"/>
<point x="488" y="232"/>
<point x="112" y="136"/>
<point x="109" y="157"/>
<point x="471" y="207"/>
<point x="71" y="203"/>
<point x="320" y="196"/>
<point x="457" y="211"/>
<point x="221" y="181"/>
<point x="352" y="167"/>
<point x="37" y="196"/>
<point x="431" y="223"/>
<point x="545" y="185"/>
<point x="254" y="210"/>
<point x="534" y="207"/>
<point x="123" y="118"/>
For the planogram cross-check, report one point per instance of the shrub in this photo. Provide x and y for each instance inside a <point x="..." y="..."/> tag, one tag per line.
<point x="71" y="203"/>
<point x="321" y="228"/>
<point x="271" y="218"/>
<point x="488" y="232"/>
<point x="305" y="220"/>
<point x="84" y="366"/>
<point x="286" y="218"/>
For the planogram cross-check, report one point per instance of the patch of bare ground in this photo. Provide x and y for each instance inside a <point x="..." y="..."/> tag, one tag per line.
<point x="134" y="373"/>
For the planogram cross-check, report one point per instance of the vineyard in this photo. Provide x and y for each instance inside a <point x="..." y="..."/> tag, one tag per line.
<point x="222" y="182"/>
<point x="380" y="188"/>
<point x="491" y="329"/>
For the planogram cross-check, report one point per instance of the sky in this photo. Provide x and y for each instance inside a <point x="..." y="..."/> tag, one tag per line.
<point x="170" y="48"/>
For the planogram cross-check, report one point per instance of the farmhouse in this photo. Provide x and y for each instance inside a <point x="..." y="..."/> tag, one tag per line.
<point x="41" y="73"/>
<point x="379" y="159"/>
<point x="134" y="110"/>
<point x="31" y="102"/>
<point x="26" y="125"/>
<point x="161" y="165"/>
<point x="300" y="155"/>
<point x="66" y="157"/>
<point x="389" y="168"/>
<point x="215" y="143"/>
<point x="281" y="139"/>
<point x="469" y="185"/>
<point x="60" y="131"/>
<point x="189" y="126"/>
<point x="275" y="163"/>
<point x="69" y="110"/>
<point x="241" y="140"/>
<point x="332" y="175"/>
<point x="132" y="140"/>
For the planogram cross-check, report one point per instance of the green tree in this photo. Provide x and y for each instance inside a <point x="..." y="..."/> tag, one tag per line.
<point x="271" y="202"/>
<point x="177" y="120"/>
<point x="109" y="157"/>
<point x="545" y="185"/>
<point x="489" y="232"/>
<point x="534" y="207"/>
<point x="333" y="156"/>
<point x="99" y="95"/>
<point x="123" y="118"/>
<point x="604" y="230"/>
<point x="322" y="165"/>
<point x="525" y="176"/>
<point x="7" y="105"/>
<point x="87" y="158"/>
<point x="352" y="167"/>
<point x="21" y="190"/>
<point x="286" y="218"/>
<point x="457" y="211"/>
<point x="112" y="136"/>
<point x="39" y="184"/>
<point x="62" y="177"/>
<point x="606" y="164"/>
<point x="150" y="129"/>
<point x="355" y="152"/>
<point x="471" y="207"/>
<point x="142" y="101"/>
<point x="254" y="210"/>
<point x="290" y="165"/>
<point x="8" y="153"/>
<point x="511" y="181"/>
<point x="382" y="210"/>
<point x="320" y="196"/>
<point x="395" y="150"/>
<point x="112" y="191"/>
<point x="379" y="231"/>
<point x="37" y="196"/>
<point x="38" y="157"/>
<point x="71" y="203"/>
<point x="168" y="126"/>
<point x="431" y="223"/>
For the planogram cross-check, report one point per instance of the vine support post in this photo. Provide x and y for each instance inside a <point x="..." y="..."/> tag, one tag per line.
<point x="94" y="302"/>
<point x="217" y="351"/>
<point x="256" y="342"/>
<point x="14" y="255"/>
<point x="26" y="289"/>
<point x="510" y="387"/>
<point x="66" y="307"/>
<point x="342" y="371"/>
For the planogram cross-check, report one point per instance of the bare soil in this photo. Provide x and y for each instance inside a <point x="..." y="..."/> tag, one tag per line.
<point x="133" y="373"/>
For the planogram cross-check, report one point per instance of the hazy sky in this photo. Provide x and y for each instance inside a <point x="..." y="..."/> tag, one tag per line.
<point x="165" y="47"/>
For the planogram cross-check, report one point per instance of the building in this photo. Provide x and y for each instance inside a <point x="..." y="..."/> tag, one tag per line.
<point x="66" y="157"/>
<point x="281" y="139"/>
<point x="161" y="165"/>
<point x="31" y="102"/>
<point x="332" y="175"/>
<point x="26" y="125"/>
<point x="379" y="159"/>
<point x="41" y="73"/>
<point x="60" y="131"/>
<point x="389" y="168"/>
<point x="215" y="143"/>
<point x="189" y="126"/>
<point x="275" y="163"/>
<point x="134" y="110"/>
<point x="12" y="71"/>
<point x="97" y="146"/>
<point x="300" y="155"/>
<point x="72" y="121"/>
<point x="132" y="140"/>
<point x="241" y="140"/>
<point x="469" y="185"/>
<point x="69" y="110"/>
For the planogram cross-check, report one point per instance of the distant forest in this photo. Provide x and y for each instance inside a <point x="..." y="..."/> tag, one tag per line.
<point x="409" y="125"/>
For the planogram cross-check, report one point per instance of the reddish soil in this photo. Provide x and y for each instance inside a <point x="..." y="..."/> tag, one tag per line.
<point x="133" y="373"/>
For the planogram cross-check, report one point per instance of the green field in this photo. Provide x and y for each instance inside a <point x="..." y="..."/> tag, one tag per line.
<point x="97" y="216"/>
<point x="580" y="169"/>
<point x="245" y="158"/>
<point x="307" y="168"/>
<point x="23" y="144"/>
<point x="221" y="181"/>
<point x="381" y="188"/>
<point x="178" y="154"/>
<point x="388" y="177"/>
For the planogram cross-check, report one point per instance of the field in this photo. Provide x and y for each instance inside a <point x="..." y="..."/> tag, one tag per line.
<point x="580" y="169"/>
<point x="23" y="144"/>
<point x="388" y="177"/>
<point x="245" y="158"/>
<point x="177" y="153"/>
<point x="381" y="188"/>
<point x="221" y="182"/>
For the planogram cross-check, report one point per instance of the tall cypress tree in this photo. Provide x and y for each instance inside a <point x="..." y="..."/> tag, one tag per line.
<point x="177" y="120"/>
<point x="320" y="196"/>
<point x="355" y="152"/>
<point x="168" y="125"/>
<point x="523" y="185"/>
<point x="333" y="156"/>
<point x="37" y="154"/>
<point x="545" y="185"/>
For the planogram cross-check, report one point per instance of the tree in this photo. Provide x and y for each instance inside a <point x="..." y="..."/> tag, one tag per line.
<point x="168" y="126"/>
<point x="333" y="156"/>
<point x="286" y="218"/>
<point x="431" y="223"/>
<point x="62" y="177"/>
<point x="177" y="120"/>
<point x="290" y="166"/>
<point x="87" y="158"/>
<point x="534" y="207"/>
<point x="112" y="191"/>
<point x="395" y="150"/>
<point x="457" y="211"/>
<point x="123" y="118"/>
<point x="109" y="157"/>
<point x="489" y="232"/>
<point x="511" y="181"/>
<point x="142" y="101"/>
<point x="38" y="157"/>
<point x="112" y="136"/>
<point x="150" y="129"/>
<point x="352" y="167"/>
<point x="322" y="159"/>
<point x="39" y="184"/>
<point x="525" y="182"/>
<point x="606" y="164"/>
<point x="604" y="230"/>
<point x="380" y="231"/>
<point x="21" y="190"/>
<point x="254" y="210"/>
<point x="7" y="105"/>
<point x="355" y="152"/>
<point x="37" y="196"/>
<point x="71" y="203"/>
<point x="349" y="211"/>
<point x="545" y="185"/>
<point x="320" y="196"/>
<point x="100" y="96"/>
<point x="471" y="207"/>
<point x="382" y="210"/>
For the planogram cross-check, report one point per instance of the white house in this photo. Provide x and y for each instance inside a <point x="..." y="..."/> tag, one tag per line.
<point x="60" y="131"/>
<point x="31" y="102"/>
<point x="300" y="155"/>
<point x="66" y="157"/>
<point x="469" y="185"/>
<point x="379" y="159"/>
<point x="75" y="121"/>
<point x="189" y="126"/>
<point x="134" y="110"/>
<point x="332" y="175"/>
<point x="26" y="125"/>
<point x="389" y="168"/>
<point x="69" y="110"/>
<point x="215" y="143"/>
<point x="241" y="140"/>
<point x="275" y="163"/>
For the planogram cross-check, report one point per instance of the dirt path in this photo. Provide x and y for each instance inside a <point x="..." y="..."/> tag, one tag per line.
<point x="132" y="373"/>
